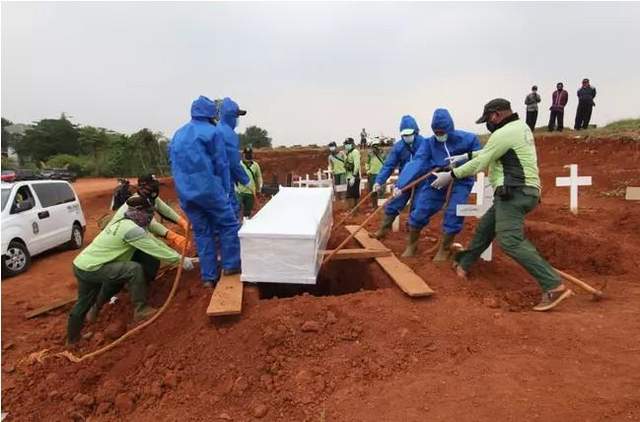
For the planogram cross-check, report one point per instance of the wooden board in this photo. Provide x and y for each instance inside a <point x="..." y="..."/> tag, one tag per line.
<point x="408" y="281"/>
<point x="633" y="194"/>
<point x="227" y="297"/>
<point x="358" y="253"/>
<point x="50" y="307"/>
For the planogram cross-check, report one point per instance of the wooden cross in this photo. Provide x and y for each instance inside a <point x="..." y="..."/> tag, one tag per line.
<point x="573" y="181"/>
<point x="484" y="200"/>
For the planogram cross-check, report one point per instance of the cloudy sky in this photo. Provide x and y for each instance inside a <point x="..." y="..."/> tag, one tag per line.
<point x="312" y="72"/>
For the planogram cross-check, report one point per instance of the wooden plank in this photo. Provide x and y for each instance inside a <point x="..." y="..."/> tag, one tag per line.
<point x="408" y="281"/>
<point x="50" y="307"/>
<point x="227" y="297"/>
<point x="632" y="194"/>
<point x="358" y="253"/>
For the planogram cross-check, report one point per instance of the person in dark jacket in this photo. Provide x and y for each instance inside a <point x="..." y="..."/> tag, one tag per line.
<point x="558" y="101"/>
<point x="586" y="94"/>
<point x="531" y="101"/>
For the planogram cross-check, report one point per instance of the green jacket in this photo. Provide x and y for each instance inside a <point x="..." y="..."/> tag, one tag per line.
<point x="117" y="242"/>
<point x="353" y="157"/>
<point x="255" y="178"/>
<point x="154" y="227"/>
<point x="336" y="162"/>
<point x="510" y="154"/>
<point x="374" y="163"/>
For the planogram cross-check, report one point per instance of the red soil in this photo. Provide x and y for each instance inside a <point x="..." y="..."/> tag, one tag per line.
<point x="472" y="352"/>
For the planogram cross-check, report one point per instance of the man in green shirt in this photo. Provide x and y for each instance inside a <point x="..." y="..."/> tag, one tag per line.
<point x="510" y="155"/>
<point x="352" y="168"/>
<point x="336" y="165"/>
<point x="104" y="266"/>
<point x="375" y="161"/>
<point x="247" y="193"/>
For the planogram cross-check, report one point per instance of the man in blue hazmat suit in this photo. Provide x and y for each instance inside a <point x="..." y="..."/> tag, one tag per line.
<point x="201" y="175"/>
<point x="436" y="152"/>
<point x="401" y="153"/>
<point x="228" y="114"/>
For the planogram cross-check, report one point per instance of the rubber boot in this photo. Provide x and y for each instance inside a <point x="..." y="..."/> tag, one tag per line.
<point x="387" y="221"/>
<point x="412" y="244"/>
<point x="143" y="313"/>
<point x="444" y="252"/>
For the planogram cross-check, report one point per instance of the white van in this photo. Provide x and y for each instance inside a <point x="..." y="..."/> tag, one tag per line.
<point x="38" y="215"/>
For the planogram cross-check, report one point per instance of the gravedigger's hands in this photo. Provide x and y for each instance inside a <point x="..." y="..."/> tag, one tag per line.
<point x="397" y="192"/>
<point x="376" y="187"/>
<point x="443" y="179"/>
<point x="456" y="159"/>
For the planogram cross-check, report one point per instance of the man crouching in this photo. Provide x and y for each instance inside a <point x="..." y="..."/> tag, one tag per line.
<point x="104" y="266"/>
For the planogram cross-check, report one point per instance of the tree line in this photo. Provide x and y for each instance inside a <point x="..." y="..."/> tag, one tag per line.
<point x="95" y="151"/>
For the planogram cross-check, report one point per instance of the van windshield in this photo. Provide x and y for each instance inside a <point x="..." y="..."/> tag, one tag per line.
<point x="5" y="196"/>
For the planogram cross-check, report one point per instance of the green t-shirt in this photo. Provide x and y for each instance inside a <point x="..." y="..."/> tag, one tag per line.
<point x="353" y="157"/>
<point x="374" y="163"/>
<point x="336" y="162"/>
<point x="118" y="242"/>
<point x="255" y="178"/>
<point x="510" y="155"/>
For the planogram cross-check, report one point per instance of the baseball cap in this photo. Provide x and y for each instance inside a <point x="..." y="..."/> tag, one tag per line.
<point x="497" y="104"/>
<point x="241" y="112"/>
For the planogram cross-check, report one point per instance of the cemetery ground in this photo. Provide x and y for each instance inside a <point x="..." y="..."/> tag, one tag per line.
<point x="361" y="350"/>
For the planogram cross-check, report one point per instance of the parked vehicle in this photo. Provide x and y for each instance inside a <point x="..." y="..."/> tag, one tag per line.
<point x="8" y="175"/>
<point x="58" y="174"/>
<point x="38" y="215"/>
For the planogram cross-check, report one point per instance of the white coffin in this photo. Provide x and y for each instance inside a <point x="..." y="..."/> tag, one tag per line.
<point x="282" y="243"/>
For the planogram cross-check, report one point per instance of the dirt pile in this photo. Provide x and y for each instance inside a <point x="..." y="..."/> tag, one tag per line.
<point x="356" y="348"/>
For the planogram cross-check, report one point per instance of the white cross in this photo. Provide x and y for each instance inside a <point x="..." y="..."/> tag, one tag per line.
<point x="573" y="181"/>
<point x="484" y="200"/>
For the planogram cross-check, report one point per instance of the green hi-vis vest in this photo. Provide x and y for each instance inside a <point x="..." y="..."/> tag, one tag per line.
<point x="336" y="162"/>
<point x="255" y="178"/>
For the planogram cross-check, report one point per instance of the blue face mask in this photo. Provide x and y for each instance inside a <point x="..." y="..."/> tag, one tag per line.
<point x="348" y="147"/>
<point x="441" y="138"/>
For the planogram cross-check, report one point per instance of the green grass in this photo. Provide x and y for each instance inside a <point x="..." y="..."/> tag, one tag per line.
<point x="624" y="125"/>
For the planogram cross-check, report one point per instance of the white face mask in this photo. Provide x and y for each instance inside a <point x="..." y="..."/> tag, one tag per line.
<point x="408" y="138"/>
<point x="332" y="149"/>
<point x="441" y="138"/>
<point x="348" y="147"/>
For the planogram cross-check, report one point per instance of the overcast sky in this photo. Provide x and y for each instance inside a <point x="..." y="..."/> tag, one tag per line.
<point x="312" y="72"/>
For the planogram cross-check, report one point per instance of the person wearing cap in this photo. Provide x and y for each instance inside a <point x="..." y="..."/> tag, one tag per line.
<point x="510" y="156"/>
<point x="586" y="94"/>
<point x="336" y="166"/>
<point x="559" y="99"/>
<point x="352" y="168"/>
<point x="103" y="267"/>
<point x="375" y="161"/>
<point x="400" y="154"/>
<point x="435" y="153"/>
<point x="247" y="193"/>
<point x="201" y="175"/>
<point x="229" y="111"/>
<point x="531" y="101"/>
<point x="149" y="189"/>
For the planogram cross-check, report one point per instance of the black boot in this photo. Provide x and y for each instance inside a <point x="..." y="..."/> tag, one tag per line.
<point x="387" y="221"/>
<point x="444" y="252"/>
<point x="412" y="244"/>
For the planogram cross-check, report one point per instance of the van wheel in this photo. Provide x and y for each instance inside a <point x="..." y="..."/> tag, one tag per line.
<point x="17" y="259"/>
<point x="77" y="237"/>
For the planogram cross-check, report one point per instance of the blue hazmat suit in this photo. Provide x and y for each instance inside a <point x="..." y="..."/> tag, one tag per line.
<point x="228" y="120"/>
<point x="401" y="153"/>
<point x="201" y="175"/>
<point x="434" y="154"/>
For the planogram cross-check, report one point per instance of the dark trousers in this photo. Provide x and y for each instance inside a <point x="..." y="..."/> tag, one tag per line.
<point x="505" y="222"/>
<point x="532" y="117"/>
<point x="583" y="115"/>
<point x="246" y="202"/>
<point x="371" y="180"/>
<point x="559" y="116"/>
<point x="103" y="283"/>
<point x="353" y="191"/>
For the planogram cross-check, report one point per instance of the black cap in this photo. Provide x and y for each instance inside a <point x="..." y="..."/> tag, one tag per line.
<point x="146" y="179"/>
<point x="332" y="144"/>
<point x="349" y="141"/>
<point x="242" y="112"/>
<point x="497" y="104"/>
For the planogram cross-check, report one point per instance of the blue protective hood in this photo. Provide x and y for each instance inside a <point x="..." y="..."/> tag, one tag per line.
<point x="442" y="120"/>
<point x="203" y="108"/>
<point x="229" y="112"/>
<point x="408" y="122"/>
